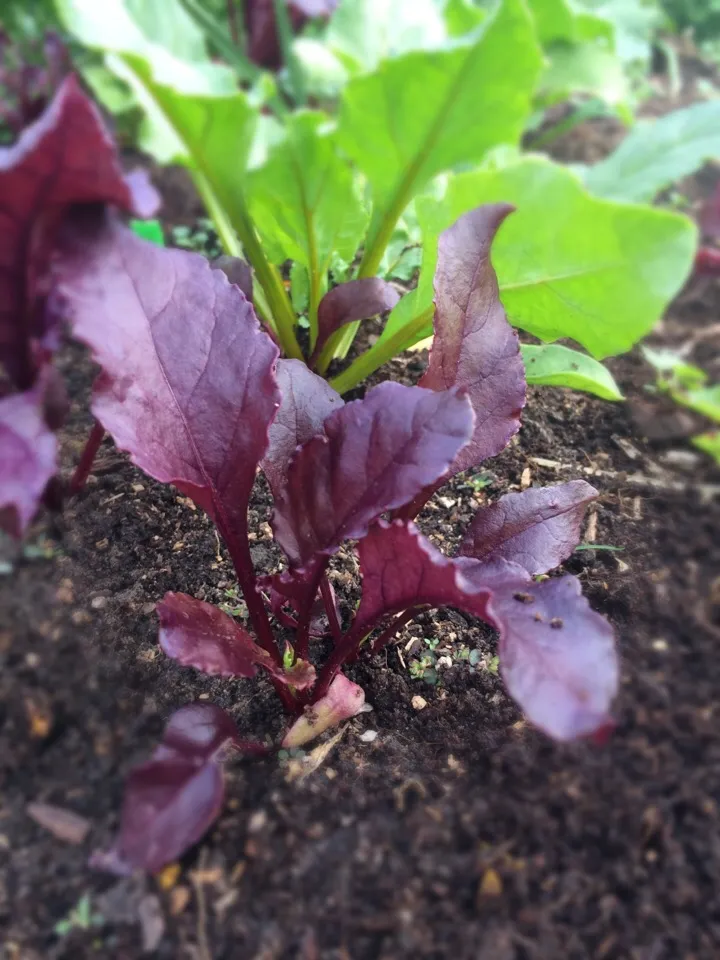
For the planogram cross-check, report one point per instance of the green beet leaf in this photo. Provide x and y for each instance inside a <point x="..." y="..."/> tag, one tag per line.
<point x="569" y="264"/>
<point x="656" y="153"/>
<point x="553" y="365"/>
<point x="583" y="68"/>
<point x="426" y="112"/>
<point x="709" y="443"/>
<point x="195" y="115"/>
<point x="305" y="203"/>
<point x="363" y="33"/>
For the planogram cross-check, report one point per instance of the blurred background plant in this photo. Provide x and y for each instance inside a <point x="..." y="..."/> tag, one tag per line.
<point x="294" y="83"/>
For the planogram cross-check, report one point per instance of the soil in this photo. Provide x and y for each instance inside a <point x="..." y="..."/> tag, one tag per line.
<point x="458" y="831"/>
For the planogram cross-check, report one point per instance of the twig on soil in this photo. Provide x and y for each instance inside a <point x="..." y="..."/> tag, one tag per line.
<point x="203" y="947"/>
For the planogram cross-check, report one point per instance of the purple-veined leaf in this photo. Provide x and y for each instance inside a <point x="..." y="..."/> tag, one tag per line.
<point x="28" y="457"/>
<point x="238" y="271"/>
<point x="307" y="401"/>
<point x="187" y="384"/>
<point x="401" y="569"/>
<point x="354" y="300"/>
<point x="557" y="656"/>
<point x="172" y="800"/>
<point x="66" y="157"/>
<point x="538" y="528"/>
<point x="200" y="635"/>
<point x="474" y="346"/>
<point x="376" y="454"/>
<point x="344" y="699"/>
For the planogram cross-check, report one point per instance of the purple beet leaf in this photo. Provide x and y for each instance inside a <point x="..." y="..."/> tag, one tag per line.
<point x="238" y="271"/>
<point x="171" y="800"/>
<point x="376" y="454"/>
<point x="343" y="700"/>
<point x="557" y="656"/>
<point x="538" y="528"/>
<point x="289" y="591"/>
<point x="28" y="453"/>
<point x="66" y="157"/>
<point x="474" y="345"/>
<point x="263" y="44"/>
<point x="307" y="402"/>
<point x="401" y="569"/>
<point x="187" y="384"/>
<point x="200" y="635"/>
<point x="354" y="300"/>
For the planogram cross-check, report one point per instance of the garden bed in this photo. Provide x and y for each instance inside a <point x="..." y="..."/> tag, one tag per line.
<point x="458" y="830"/>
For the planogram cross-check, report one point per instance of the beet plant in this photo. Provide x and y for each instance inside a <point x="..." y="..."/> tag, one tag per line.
<point x="194" y="390"/>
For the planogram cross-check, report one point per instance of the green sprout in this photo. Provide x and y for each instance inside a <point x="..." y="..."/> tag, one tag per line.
<point x="81" y="917"/>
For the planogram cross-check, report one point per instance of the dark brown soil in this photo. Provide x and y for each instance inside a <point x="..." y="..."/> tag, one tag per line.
<point x="459" y="831"/>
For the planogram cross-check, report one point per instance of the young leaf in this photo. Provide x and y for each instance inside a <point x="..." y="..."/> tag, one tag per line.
<point x="704" y="400"/>
<point x="709" y="443"/>
<point x="656" y="154"/>
<point x="537" y="529"/>
<point x="28" y="458"/>
<point x="304" y="200"/>
<point x="289" y="589"/>
<point x="187" y="385"/>
<point x="200" y="635"/>
<point x="65" y="157"/>
<point x="553" y="365"/>
<point x="474" y="96"/>
<point x="307" y="401"/>
<point x="171" y="800"/>
<point x="557" y="656"/>
<point x="376" y="454"/>
<point x="474" y="345"/>
<point x="344" y="699"/>
<point x="351" y="301"/>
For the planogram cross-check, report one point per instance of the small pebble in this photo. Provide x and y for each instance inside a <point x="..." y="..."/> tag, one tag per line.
<point x="257" y="821"/>
<point x="98" y="603"/>
<point x="419" y="703"/>
<point x="368" y="736"/>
